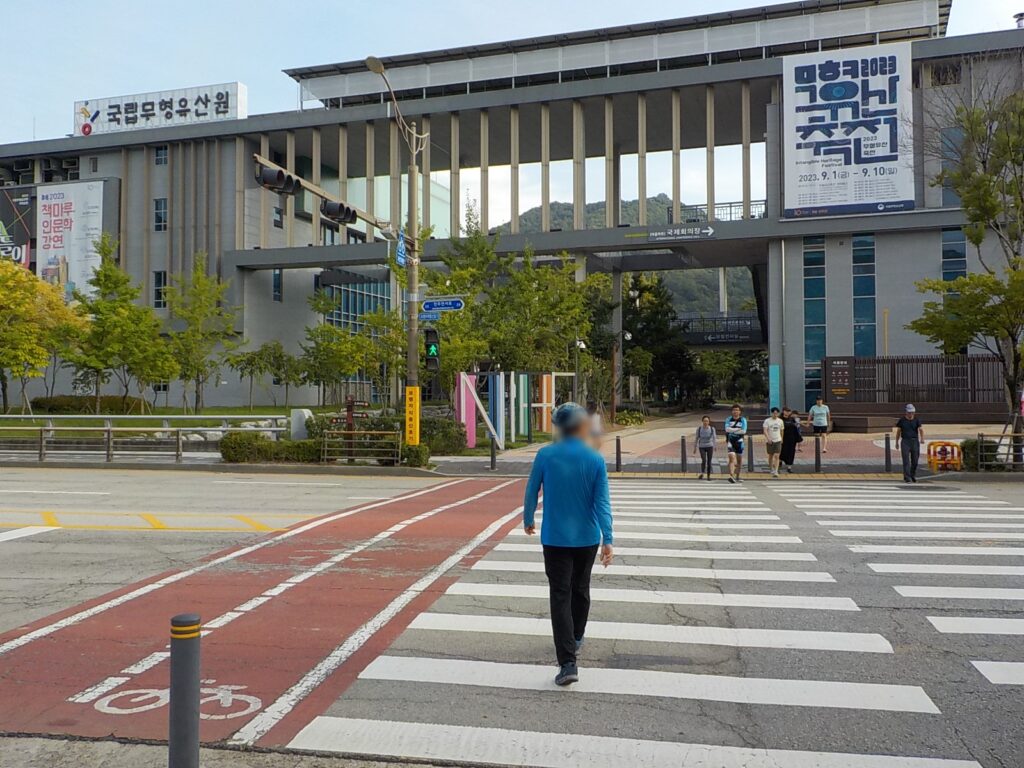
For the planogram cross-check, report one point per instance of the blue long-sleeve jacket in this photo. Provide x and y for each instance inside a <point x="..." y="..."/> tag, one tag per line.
<point x="577" y="511"/>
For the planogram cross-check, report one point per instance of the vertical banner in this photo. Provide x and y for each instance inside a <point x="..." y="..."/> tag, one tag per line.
<point x="17" y="223"/>
<point x="774" y="386"/>
<point x="412" y="415"/>
<point x="69" y="218"/>
<point x="847" y="138"/>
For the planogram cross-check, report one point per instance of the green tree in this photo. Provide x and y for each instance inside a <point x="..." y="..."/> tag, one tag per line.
<point x="383" y="349"/>
<point x="203" y="326"/>
<point x="284" y="368"/>
<point x="639" y="362"/>
<point x="978" y="135"/>
<point x="330" y="355"/>
<point x="252" y="364"/>
<point x="651" y="320"/>
<point x="721" y="366"/>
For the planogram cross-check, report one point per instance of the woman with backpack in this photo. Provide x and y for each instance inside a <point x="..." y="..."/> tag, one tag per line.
<point x="705" y="443"/>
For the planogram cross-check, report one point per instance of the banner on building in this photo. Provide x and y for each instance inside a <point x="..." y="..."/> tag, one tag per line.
<point x="17" y="216"/>
<point x="69" y="219"/>
<point x="847" y="139"/>
<point x="185" y="106"/>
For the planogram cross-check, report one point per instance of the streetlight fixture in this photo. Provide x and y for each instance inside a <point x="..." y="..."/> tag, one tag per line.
<point x="416" y="142"/>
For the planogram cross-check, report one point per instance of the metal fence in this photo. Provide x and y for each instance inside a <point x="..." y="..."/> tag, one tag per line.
<point x="359" y="446"/>
<point x="732" y="211"/>
<point x="924" y="379"/>
<point x="1001" y="453"/>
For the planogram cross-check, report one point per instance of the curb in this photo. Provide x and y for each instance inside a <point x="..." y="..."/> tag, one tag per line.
<point x="254" y="469"/>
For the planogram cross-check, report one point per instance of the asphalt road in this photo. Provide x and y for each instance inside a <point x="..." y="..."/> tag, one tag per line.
<point x="777" y="624"/>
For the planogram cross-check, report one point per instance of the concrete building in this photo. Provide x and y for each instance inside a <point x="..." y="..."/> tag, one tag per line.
<point x="702" y="98"/>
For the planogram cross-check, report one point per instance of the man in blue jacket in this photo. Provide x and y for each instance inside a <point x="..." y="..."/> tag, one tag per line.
<point x="577" y="520"/>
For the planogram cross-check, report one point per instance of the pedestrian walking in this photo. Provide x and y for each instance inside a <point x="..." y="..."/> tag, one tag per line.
<point x="821" y="420"/>
<point x="735" y="436"/>
<point x="909" y="436"/>
<point x="577" y="522"/>
<point x="596" y="427"/>
<point x="705" y="443"/>
<point x="773" y="428"/>
<point x="791" y="438"/>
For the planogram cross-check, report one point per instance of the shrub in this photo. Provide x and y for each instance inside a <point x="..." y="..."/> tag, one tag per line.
<point x="242" y="447"/>
<point x="630" y="418"/>
<point x="295" y="451"/>
<point x="987" y="452"/>
<point x="416" y="455"/>
<point x="444" y="436"/>
<point x="69" y="404"/>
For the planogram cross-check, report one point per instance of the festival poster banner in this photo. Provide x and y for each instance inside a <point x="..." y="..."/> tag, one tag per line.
<point x="69" y="219"/>
<point x="847" y="140"/>
<point x="17" y="215"/>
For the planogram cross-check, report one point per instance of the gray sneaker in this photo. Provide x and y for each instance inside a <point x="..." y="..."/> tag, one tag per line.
<point x="567" y="675"/>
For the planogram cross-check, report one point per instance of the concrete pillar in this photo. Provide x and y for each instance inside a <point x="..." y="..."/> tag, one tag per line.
<point x="745" y="132"/>
<point x="122" y="233"/>
<point x="239" y="218"/>
<point x="545" y="167"/>
<point x="264" y="196"/>
<point x="709" y="143"/>
<point x="513" y="149"/>
<point x="723" y="291"/>
<point x="147" y="229"/>
<point x="485" y="164"/>
<point x="773" y="163"/>
<point x="371" y="167"/>
<point x="395" y="173"/>
<point x="776" y="327"/>
<point x="342" y="175"/>
<point x="425" y="168"/>
<point x="611" y="204"/>
<point x="289" y="200"/>
<point x="314" y="203"/>
<point x="456" y="207"/>
<point x="641" y="156"/>
<point x="579" y="167"/>
<point x="677" y="148"/>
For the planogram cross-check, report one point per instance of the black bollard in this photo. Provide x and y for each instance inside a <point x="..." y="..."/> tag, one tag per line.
<point x="750" y="454"/>
<point x="618" y="454"/>
<point x="817" y="453"/>
<point x="682" y="454"/>
<point x="888" y="452"/>
<point x="183" y="725"/>
<point x="494" y="455"/>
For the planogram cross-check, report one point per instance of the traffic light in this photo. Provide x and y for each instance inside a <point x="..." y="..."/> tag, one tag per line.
<point x="432" y="347"/>
<point x="278" y="180"/>
<point x="343" y="213"/>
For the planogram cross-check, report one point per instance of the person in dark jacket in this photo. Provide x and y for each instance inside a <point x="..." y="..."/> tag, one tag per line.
<point x="791" y="437"/>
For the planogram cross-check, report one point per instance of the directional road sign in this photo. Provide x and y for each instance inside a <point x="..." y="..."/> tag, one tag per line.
<point x="400" y="250"/>
<point x="444" y="304"/>
<point x="429" y="317"/>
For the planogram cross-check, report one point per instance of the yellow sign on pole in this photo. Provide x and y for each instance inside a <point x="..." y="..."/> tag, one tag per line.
<point x="412" y="415"/>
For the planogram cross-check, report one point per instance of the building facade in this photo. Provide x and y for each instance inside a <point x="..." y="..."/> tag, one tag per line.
<point x="699" y="110"/>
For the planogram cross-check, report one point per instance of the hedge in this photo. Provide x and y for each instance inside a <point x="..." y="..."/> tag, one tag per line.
<point x="70" y="404"/>
<point x="255" y="447"/>
<point x="416" y="455"/>
<point x="630" y="418"/>
<point x="972" y="455"/>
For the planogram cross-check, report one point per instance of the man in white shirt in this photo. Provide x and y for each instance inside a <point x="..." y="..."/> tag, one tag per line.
<point x="773" y="430"/>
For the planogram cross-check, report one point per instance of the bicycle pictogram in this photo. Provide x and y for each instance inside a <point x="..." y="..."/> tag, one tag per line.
<point x="230" y="703"/>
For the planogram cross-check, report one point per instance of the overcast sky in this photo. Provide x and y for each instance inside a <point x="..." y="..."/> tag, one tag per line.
<point x="60" y="51"/>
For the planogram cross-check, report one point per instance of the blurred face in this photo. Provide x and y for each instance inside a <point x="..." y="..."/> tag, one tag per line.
<point x="706" y="421"/>
<point x="819" y="401"/>
<point x="736" y="413"/>
<point x="786" y="412"/>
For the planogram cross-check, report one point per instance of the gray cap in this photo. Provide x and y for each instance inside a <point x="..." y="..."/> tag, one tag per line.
<point x="568" y="416"/>
<point x="910" y="408"/>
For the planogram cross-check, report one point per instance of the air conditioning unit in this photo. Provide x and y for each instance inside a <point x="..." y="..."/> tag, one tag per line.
<point x="25" y="178"/>
<point x="69" y="162"/>
<point x="50" y="164"/>
<point x="23" y="165"/>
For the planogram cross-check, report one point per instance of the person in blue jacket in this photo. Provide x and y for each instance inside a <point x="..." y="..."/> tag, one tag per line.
<point x="577" y="521"/>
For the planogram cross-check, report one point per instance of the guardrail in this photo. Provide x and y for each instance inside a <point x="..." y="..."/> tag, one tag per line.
<point x="1001" y="453"/>
<point x="355" y="445"/>
<point x="166" y="420"/>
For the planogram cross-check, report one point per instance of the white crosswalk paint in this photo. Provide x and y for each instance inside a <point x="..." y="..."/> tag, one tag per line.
<point x="718" y="526"/>
<point x="1002" y="672"/>
<point x="497" y="746"/>
<point x="694" y="516"/>
<point x="972" y="515"/>
<point x="896" y="497"/>
<point x="694" y="554"/>
<point x="948" y="570"/>
<point x="936" y="549"/>
<point x="22" y="533"/>
<point x="718" y="539"/>
<point x="665" y="571"/>
<point x="695" y="504"/>
<point x="673" y="685"/>
<point x="977" y="625"/>
<point x="919" y="524"/>
<point x="1008" y="536"/>
<point x="986" y="506"/>
<point x="962" y="593"/>
<point x="662" y="597"/>
<point x="854" y="642"/>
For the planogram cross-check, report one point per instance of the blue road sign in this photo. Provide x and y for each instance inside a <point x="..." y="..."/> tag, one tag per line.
<point x="443" y="305"/>
<point x="400" y="250"/>
<point x="429" y="316"/>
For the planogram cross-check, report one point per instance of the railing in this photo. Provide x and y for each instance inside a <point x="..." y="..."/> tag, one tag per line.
<point x="164" y="419"/>
<point x="921" y="379"/>
<point x="732" y="211"/>
<point x="385" y="448"/>
<point x="113" y="441"/>
<point x="1001" y="453"/>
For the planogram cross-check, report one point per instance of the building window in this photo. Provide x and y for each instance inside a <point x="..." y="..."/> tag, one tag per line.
<point x="159" y="387"/>
<point x="160" y="214"/>
<point x="954" y="253"/>
<point x="160" y="155"/>
<point x="277" y="285"/>
<point x="946" y="73"/>
<point x="864" y="323"/>
<point x="814" y="315"/>
<point x="94" y="165"/>
<point x="950" y="141"/>
<point x="278" y="217"/>
<point x="160" y="289"/>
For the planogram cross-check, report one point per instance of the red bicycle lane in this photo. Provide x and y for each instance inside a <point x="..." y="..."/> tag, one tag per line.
<point x="279" y="584"/>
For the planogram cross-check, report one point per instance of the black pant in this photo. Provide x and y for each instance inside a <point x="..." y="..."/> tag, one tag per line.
<point x="705" y="460"/>
<point x="910" y="450"/>
<point x="568" y="570"/>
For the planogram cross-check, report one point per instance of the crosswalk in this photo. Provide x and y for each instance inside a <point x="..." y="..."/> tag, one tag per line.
<point x="718" y="639"/>
<point x="962" y="582"/>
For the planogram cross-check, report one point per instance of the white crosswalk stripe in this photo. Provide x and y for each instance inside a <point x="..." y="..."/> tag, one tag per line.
<point x="721" y="574"/>
<point x="695" y="554"/>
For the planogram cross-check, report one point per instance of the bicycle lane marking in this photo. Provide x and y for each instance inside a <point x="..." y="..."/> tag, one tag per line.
<point x="37" y="675"/>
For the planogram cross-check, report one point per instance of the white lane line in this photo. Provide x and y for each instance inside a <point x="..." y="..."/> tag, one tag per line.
<point x="147" y="663"/>
<point x="93" y="693"/>
<point x="972" y="515"/>
<point x="695" y="504"/>
<point x="7" y="491"/>
<point x="671" y="685"/>
<point x="735" y="637"/>
<point x="658" y="536"/>
<point x="935" y="549"/>
<point x="948" y="570"/>
<point x="260" y="725"/>
<point x="717" y="526"/>
<point x="662" y="597"/>
<point x="517" y="566"/>
<point x="1002" y="672"/>
<point x="919" y="524"/>
<point x="88" y="613"/>
<point x="21" y="533"/>
<point x="281" y="482"/>
<point x="497" y="746"/>
<point x="694" y="516"/>
<point x="693" y="554"/>
<point x="898" y="497"/>
<point x="983" y="506"/>
<point x="962" y="593"/>
<point x="852" y="534"/>
<point x="976" y="625"/>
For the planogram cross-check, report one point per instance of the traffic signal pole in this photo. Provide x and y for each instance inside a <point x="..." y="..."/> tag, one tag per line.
<point x="412" y="273"/>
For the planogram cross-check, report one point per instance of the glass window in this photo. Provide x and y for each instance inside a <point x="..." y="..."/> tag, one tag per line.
<point x="277" y="285"/>
<point x="814" y="312"/>
<point x="814" y="343"/>
<point x="814" y="288"/>
<point x="814" y="240"/>
<point x="864" y="310"/>
<point x="160" y="155"/>
<point x="864" y="285"/>
<point x="864" y="240"/>
<point x="954" y="253"/>
<point x="278" y="217"/>
<point x="94" y="165"/>
<point x="864" y="340"/>
<point x="814" y="259"/>
<point x="160" y="214"/>
<point x="160" y="289"/>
